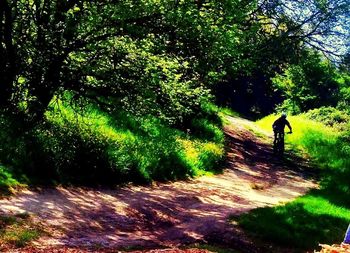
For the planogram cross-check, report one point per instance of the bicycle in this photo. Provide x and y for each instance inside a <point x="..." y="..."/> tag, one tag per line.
<point x="278" y="143"/>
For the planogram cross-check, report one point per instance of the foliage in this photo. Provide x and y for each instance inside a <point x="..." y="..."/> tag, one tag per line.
<point x="164" y="89"/>
<point x="158" y="57"/>
<point x="322" y="215"/>
<point x="88" y="146"/>
<point x="329" y="116"/>
<point x="279" y="36"/>
<point x="7" y="180"/>
<point x="149" y="68"/>
<point x="309" y="84"/>
<point x="344" y="82"/>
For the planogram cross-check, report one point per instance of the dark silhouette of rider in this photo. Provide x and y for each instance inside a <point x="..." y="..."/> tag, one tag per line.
<point x="279" y="125"/>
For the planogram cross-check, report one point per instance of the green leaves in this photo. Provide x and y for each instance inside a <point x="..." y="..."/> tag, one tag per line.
<point x="310" y="84"/>
<point x="158" y="57"/>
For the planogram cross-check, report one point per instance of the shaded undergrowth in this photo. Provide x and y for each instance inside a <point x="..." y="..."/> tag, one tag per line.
<point x="7" y="180"/>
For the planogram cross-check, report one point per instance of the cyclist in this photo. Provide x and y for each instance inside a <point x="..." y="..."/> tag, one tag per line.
<point x="278" y="129"/>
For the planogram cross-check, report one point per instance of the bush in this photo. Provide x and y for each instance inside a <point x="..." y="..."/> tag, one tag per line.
<point x="147" y="82"/>
<point x="288" y="105"/>
<point x="204" y="129"/>
<point x="6" y="179"/>
<point x="329" y="116"/>
<point x="90" y="147"/>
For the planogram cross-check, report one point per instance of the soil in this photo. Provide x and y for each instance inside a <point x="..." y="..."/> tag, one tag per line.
<point x="170" y="214"/>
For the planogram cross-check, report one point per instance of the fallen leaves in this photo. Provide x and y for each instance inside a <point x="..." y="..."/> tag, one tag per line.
<point x="342" y="248"/>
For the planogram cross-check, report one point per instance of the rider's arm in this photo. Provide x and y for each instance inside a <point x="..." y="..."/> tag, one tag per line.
<point x="289" y="126"/>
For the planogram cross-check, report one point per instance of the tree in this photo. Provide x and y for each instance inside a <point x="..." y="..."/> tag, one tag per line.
<point x="8" y="64"/>
<point x="278" y="32"/>
<point x="49" y="34"/>
<point x="86" y="47"/>
<point x="310" y="84"/>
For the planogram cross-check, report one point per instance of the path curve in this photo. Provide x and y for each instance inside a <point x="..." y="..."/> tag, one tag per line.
<point x="169" y="214"/>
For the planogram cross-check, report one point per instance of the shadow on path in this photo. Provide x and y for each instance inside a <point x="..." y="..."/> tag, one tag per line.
<point x="171" y="214"/>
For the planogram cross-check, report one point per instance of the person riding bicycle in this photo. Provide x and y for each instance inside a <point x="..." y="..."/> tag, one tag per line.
<point x="278" y="128"/>
<point x="280" y="123"/>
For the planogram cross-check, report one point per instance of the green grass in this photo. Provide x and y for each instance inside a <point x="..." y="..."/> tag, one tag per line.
<point x="7" y="181"/>
<point x="322" y="215"/>
<point x="88" y="146"/>
<point x="17" y="231"/>
<point x="228" y="111"/>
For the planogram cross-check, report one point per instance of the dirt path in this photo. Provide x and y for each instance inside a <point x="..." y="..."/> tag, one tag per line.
<point x="169" y="214"/>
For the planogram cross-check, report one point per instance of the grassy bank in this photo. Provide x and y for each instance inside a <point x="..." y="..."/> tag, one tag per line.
<point x="91" y="147"/>
<point x="322" y="215"/>
<point x="7" y="180"/>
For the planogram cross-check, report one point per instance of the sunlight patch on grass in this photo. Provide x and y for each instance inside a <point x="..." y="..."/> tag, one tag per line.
<point x="318" y="205"/>
<point x="320" y="216"/>
<point x="308" y="136"/>
<point x="301" y="224"/>
<point x="143" y="146"/>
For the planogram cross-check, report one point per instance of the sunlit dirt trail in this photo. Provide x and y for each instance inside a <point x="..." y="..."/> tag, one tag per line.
<point x="169" y="214"/>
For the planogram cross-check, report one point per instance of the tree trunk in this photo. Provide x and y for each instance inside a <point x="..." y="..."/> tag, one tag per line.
<point x="8" y="69"/>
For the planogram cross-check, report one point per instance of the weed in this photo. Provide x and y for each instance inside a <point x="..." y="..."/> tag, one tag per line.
<point x="17" y="231"/>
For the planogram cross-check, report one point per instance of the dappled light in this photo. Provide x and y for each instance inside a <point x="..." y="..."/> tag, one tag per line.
<point x="126" y="125"/>
<point x="322" y="215"/>
<point x="167" y="214"/>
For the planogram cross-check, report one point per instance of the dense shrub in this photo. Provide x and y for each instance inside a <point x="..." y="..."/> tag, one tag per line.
<point x="6" y="179"/>
<point x="145" y="82"/>
<point x="329" y="116"/>
<point x="89" y="146"/>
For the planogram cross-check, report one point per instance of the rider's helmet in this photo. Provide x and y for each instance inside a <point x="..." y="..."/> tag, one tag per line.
<point x="284" y="115"/>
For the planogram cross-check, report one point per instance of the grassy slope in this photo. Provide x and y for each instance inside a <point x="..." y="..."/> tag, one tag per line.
<point x="80" y="147"/>
<point x="322" y="215"/>
<point x="152" y="149"/>
<point x="90" y="146"/>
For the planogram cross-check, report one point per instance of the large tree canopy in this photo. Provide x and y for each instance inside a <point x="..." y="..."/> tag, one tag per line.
<point x="157" y="57"/>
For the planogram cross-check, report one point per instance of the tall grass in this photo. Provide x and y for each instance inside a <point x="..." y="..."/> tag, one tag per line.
<point x="322" y="215"/>
<point x="89" y="146"/>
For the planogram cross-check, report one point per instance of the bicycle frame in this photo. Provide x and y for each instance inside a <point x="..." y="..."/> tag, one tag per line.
<point x="278" y="143"/>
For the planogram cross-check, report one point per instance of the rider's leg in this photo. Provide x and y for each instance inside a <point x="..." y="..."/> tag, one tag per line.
<point x="275" y="141"/>
<point x="279" y="143"/>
